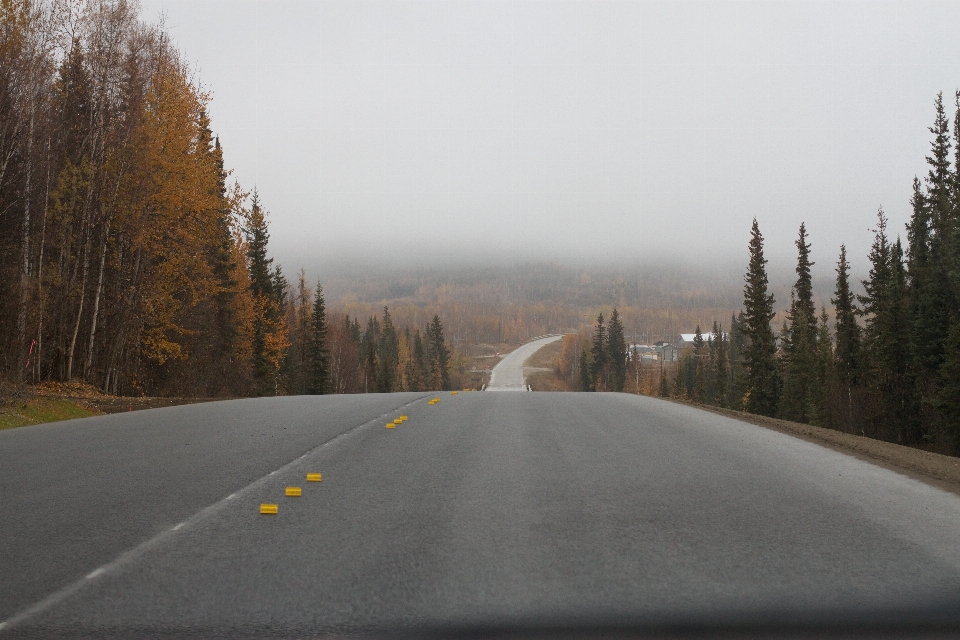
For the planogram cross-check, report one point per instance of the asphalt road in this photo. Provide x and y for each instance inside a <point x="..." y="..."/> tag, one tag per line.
<point x="484" y="509"/>
<point x="508" y="374"/>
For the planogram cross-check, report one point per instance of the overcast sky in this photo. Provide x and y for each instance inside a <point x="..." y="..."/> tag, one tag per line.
<point x="403" y="131"/>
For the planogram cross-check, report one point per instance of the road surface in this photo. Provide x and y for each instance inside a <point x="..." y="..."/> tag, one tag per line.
<point x="482" y="509"/>
<point x="508" y="374"/>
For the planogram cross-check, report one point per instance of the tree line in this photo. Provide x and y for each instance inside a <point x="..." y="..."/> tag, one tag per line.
<point x="126" y="259"/>
<point x="890" y="366"/>
<point x="336" y="354"/>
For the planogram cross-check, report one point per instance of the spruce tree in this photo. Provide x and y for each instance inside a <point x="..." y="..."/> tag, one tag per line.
<point x="823" y="381"/>
<point x="438" y="356"/>
<point x="680" y="379"/>
<point x="388" y="355"/>
<point x="263" y="289"/>
<point x="934" y="296"/>
<point x="617" y="353"/>
<point x="738" y="376"/>
<point x="223" y="266"/>
<point x="319" y="351"/>
<point x="847" y="354"/>
<point x="417" y="379"/>
<point x="796" y="402"/>
<point x="586" y="378"/>
<point x="759" y="357"/>
<point x="598" y="353"/>
<point x="369" y="348"/>
<point x="886" y="341"/>
<point x="948" y="397"/>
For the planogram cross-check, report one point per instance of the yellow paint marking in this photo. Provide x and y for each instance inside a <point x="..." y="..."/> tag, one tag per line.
<point x="314" y="477"/>
<point x="404" y="418"/>
<point x="294" y="492"/>
<point x="391" y="425"/>
<point x="268" y="509"/>
<point x="453" y="393"/>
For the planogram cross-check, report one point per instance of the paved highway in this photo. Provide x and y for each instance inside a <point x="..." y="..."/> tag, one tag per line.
<point x="482" y="509"/>
<point x="508" y="374"/>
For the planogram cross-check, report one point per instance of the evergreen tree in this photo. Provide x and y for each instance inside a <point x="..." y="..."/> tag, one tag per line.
<point x="799" y="341"/>
<point x="319" y="351"/>
<point x="825" y="375"/>
<point x="664" y="390"/>
<point x="388" y="355"/>
<point x="762" y="376"/>
<point x="224" y="266"/>
<point x="369" y="348"/>
<point x="264" y="284"/>
<point x="932" y="295"/>
<point x="616" y="350"/>
<point x="680" y="391"/>
<point x="438" y="356"/>
<point x="886" y="340"/>
<point x="586" y="378"/>
<point x="948" y="397"/>
<point x="598" y="352"/>
<point x="738" y="377"/>
<point x="417" y="380"/>
<point x="720" y="366"/>
<point x="847" y="354"/>
<point x="700" y="366"/>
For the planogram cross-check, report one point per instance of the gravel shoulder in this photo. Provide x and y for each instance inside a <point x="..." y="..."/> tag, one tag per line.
<point x="933" y="468"/>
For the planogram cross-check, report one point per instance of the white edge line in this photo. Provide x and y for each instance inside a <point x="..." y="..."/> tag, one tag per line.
<point x="132" y="554"/>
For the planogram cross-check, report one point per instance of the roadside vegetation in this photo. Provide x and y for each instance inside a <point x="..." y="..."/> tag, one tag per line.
<point x="37" y="409"/>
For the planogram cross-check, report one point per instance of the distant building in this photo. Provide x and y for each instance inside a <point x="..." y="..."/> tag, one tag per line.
<point x="667" y="351"/>
<point x="646" y="352"/>
<point x="686" y="339"/>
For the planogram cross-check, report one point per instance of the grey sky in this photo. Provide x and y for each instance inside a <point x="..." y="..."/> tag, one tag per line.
<point x="410" y="130"/>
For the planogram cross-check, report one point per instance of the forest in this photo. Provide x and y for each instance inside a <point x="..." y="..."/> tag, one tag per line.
<point x="128" y="261"/>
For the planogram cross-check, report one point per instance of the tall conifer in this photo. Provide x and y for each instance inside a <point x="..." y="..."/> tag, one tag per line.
<point x="598" y="353"/>
<point x="762" y="376"/>
<point x="319" y="351"/>
<point x="886" y="340"/>
<point x="617" y="352"/>
<point x="796" y="402"/>
<point x="847" y="354"/>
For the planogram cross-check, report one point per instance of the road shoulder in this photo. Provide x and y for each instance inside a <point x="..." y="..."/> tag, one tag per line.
<point x="932" y="468"/>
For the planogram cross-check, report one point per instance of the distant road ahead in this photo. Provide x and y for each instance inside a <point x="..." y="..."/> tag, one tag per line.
<point x="484" y="508"/>
<point x="508" y="374"/>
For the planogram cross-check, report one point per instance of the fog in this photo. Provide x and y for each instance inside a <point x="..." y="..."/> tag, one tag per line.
<point x="397" y="134"/>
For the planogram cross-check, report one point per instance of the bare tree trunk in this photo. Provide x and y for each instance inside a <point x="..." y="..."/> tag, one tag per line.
<point x="41" y="303"/>
<point x="83" y="293"/>
<point x="25" y="268"/>
<point x="96" y="301"/>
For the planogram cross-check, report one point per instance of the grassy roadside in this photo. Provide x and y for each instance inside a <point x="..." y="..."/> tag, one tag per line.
<point x="26" y="405"/>
<point x="37" y="410"/>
